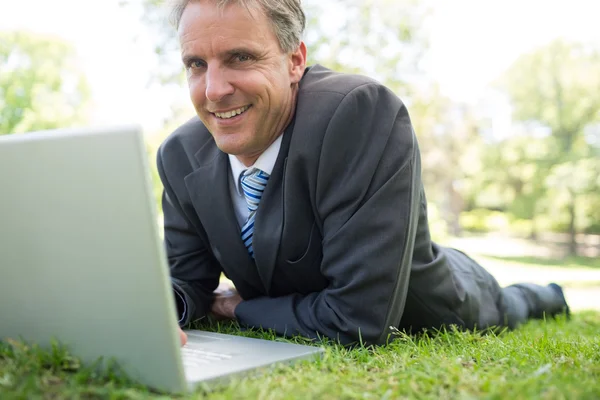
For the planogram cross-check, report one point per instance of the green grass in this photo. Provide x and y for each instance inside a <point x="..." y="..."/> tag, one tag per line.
<point x="543" y="359"/>
<point x="567" y="262"/>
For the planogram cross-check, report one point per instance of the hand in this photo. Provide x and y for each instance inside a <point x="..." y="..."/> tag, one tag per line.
<point x="225" y="289"/>
<point x="225" y="301"/>
<point x="182" y="337"/>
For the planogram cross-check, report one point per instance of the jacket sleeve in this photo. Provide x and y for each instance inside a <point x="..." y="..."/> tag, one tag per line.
<point x="367" y="201"/>
<point x="194" y="272"/>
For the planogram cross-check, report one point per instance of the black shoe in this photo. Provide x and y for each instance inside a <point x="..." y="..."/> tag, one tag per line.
<point x="558" y="289"/>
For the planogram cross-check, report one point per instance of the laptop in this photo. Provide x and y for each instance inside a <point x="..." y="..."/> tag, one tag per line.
<point x="82" y="263"/>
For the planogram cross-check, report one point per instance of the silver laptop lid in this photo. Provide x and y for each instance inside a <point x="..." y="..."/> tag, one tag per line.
<point x="80" y="257"/>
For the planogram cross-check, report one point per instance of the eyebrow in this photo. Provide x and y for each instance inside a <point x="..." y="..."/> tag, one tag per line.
<point x="239" y="50"/>
<point x="226" y="54"/>
<point x="186" y="59"/>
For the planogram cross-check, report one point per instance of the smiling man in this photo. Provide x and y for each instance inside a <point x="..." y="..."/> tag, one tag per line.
<point x="303" y="187"/>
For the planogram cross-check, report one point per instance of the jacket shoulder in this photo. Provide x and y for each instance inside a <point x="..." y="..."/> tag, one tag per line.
<point x="319" y="79"/>
<point x="323" y="92"/>
<point x="185" y="141"/>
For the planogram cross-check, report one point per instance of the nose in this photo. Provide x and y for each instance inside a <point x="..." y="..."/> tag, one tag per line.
<point x="217" y="84"/>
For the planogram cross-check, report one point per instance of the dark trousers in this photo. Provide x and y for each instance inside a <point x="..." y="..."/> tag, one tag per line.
<point x="523" y="301"/>
<point x="455" y="290"/>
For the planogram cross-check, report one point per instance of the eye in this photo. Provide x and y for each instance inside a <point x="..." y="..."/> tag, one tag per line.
<point x="242" y="58"/>
<point x="197" y="64"/>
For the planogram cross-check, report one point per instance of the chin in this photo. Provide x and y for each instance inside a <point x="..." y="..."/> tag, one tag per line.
<point x="229" y="147"/>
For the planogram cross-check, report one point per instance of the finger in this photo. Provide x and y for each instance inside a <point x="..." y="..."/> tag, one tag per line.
<point x="228" y="293"/>
<point x="182" y="337"/>
<point x="224" y="287"/>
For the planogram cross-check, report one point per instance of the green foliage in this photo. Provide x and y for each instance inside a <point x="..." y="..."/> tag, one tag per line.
<point x="522" y="177"/>
<point x="548" y="174"/>
<point x="540" y="360"/>
<point x="556" y="87"/>
<point x="438" y="226"/>
<point x="482" y="220"/>
<point x="450" y="146"/>
<point x="576" y="182"/>
<point x="383" y="39"/>
<point x="512" y="176"/>
<point x="40" y="84"/>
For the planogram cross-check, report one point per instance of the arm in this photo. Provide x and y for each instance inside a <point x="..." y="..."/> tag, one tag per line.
<point x="194" y="272"/>
<point x="367" y="202"/>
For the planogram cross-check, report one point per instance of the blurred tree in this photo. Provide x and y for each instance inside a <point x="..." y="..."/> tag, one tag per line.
<point x="557" y="86"/>
<point x="513" y="177"/>
<point x="381" y="38"/>
<point x="40" y="85"/>
<point x="450" y="150"/>
<point x="384" y="39"/>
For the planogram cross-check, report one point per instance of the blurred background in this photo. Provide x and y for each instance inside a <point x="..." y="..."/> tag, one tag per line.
<point x="504" y="97"/>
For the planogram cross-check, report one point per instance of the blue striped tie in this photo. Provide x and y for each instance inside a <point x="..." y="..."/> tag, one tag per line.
<point x="253" y="182"/>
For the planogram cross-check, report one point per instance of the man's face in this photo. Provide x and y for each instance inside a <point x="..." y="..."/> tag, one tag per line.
<point x="241" y="83"/>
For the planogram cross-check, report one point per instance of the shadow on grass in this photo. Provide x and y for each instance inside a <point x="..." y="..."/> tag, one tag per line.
<point x="571" y="261"/>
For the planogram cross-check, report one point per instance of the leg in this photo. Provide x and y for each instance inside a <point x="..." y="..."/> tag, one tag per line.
<point x="523" y="301"/>
<point x="455" y="289"/>
<point x="486" y="304"/>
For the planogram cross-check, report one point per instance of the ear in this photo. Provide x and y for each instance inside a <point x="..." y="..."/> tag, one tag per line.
<point x="297" y="62"/>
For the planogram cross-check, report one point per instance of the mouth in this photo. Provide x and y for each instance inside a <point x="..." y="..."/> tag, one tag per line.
<point x="232" y="113"/>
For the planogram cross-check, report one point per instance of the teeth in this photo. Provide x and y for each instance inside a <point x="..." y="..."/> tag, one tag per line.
<point x="231" y="114"/>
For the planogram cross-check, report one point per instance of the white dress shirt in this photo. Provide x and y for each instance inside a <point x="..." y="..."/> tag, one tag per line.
<point x="265" y="162"/>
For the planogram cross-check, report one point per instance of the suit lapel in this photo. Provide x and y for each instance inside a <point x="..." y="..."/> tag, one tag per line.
<point x="268" y="224"/>
<point x="209" y="192"/>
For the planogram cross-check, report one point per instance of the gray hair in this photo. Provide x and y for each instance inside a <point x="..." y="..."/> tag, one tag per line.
<point x="287" y="17"/>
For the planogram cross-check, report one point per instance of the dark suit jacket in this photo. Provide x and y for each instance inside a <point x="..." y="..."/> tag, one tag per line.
<point x="340" y="232"/>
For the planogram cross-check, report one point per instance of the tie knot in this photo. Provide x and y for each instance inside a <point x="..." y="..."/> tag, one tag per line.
<point x="253" y="183"/>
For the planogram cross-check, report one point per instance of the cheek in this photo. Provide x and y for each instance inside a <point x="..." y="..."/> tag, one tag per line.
<point x="253" y="84"/>
<point x="197" y="90"/>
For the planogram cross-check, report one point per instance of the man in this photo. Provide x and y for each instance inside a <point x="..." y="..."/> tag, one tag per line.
<point x="303" y="187"/>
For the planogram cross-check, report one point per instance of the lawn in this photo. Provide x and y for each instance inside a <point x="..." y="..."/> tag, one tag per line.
<point x="567" y="262"/>
<point x="543" y="359"/>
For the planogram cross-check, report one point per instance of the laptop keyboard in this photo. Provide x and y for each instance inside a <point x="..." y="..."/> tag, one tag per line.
<point x="194" y="356"/>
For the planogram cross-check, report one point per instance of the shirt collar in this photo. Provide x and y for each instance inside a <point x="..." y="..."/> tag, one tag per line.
<point x="265" y="162"/>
